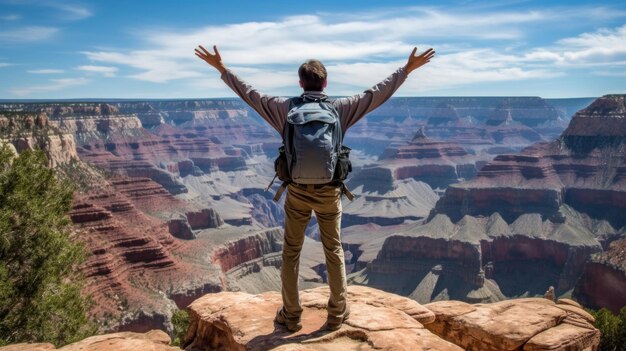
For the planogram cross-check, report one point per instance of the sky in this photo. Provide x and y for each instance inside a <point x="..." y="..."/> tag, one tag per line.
<point x="144" y="49"/>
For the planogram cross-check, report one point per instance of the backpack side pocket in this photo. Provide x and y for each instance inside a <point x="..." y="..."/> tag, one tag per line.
<point x="281" y="165"/>
<point x="344" y="166"/>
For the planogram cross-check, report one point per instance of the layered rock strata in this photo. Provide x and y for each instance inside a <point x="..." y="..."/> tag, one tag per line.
<point x="603" y="281"/>
<point x="474" y="259"/>
<point x="490" y="125"/>
<point x="436" y="163"/>
<point x="584" y="169"/>
<point x="383" y="200"/>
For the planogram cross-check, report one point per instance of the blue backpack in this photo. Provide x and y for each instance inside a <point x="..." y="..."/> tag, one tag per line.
<point x="312" y="150"/>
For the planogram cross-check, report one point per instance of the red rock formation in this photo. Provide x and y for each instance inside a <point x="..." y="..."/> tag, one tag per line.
<point x="26" y="131"/>
<point x="179" y="227"/>
<point x="206" y="218"/>
<point x="385" y="321"/>
<point x="467" y="121"/>
<point x="475" y="259"/>
<point x="583" y="169"/>
<point x="383" y="200"/>
<point x="246" y="249"/>
<point x="578" y="180"/>
<point x="378" y="320"/>
<point x="521" y="324"/>
<point x="604" y="279"/>
<point x="437" y="163"/>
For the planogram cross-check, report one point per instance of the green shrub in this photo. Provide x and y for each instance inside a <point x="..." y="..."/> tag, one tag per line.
<point x="180" y="321"/>
<point x="613" y="329"/>
<point x="40" y="290"/>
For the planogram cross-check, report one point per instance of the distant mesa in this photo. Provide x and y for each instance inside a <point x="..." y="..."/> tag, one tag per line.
<point x="443" y="114"/>
<point x="437" y="163"/>
<point x="584" y="169"/>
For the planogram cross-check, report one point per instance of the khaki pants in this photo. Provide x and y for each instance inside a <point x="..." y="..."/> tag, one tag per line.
<point x="326" y="202"/>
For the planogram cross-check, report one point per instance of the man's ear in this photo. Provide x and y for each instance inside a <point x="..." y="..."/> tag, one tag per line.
<point x="324" y="84"/>
<point x="301" y="85"/>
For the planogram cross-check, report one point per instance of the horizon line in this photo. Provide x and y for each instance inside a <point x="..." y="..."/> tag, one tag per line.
<point x="238" y="98"/>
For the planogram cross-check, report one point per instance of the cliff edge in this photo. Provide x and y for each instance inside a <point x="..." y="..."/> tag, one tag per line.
<point x="236" y="321"/>
<point x="384" y="321"/>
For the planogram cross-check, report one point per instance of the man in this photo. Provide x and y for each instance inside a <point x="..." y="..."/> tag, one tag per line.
<point x="324" y="199"/>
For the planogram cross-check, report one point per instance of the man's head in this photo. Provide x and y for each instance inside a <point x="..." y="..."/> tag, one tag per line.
<point x="312" y="75"/>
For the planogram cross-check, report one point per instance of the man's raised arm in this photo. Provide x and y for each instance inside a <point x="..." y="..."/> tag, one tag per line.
<point x="271" y="108"/>
<point x="353" y="108"/>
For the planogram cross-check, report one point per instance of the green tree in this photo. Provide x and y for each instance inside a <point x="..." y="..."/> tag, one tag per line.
<point x="613" y="329"/>
<point x="40" y="289"/>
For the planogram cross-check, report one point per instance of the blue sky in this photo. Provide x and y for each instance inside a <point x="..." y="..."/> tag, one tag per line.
<point x="144" y="49"/>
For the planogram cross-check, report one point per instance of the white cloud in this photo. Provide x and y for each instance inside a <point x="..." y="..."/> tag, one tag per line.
<point x="68" y="10"/>
<point x="5" y="64"/>
<point x="295" y="38"/>
<point x="600" y="48"/>
<point x="28" y="34"/>
<point x="72" y="12"/>
<point x="362" y="48"/>
<point x="106" y="71"/>
<point x="46" y="71"/>
<point x="11" y="17"/>
<point x="55" y="85"/>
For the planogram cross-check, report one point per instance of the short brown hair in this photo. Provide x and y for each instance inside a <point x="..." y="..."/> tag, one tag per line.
<point x="313" y="75"/>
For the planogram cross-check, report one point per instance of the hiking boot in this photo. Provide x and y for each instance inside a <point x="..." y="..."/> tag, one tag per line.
<point x="291" y="325"/>
<point x="334" y="323"/>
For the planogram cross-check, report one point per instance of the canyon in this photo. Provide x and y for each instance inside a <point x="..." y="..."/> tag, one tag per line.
<point x="550" y="215"/>
<point x="456" y="198"/>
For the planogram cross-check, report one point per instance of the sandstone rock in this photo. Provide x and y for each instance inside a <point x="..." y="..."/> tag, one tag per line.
<point x="28" y="347"/>
<point x="550" y="295"/>
<point x="520" y="324"/>
<point x="565" y="337"/>
<point x="378" y="320"/>
<point x="154" y="340"/>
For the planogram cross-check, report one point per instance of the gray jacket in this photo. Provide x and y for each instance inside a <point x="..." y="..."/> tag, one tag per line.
<point x="351" y="109"/>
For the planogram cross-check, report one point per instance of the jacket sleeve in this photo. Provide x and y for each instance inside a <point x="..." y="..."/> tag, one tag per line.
<point x="273" y="109"/>
<point x="353" y="108"/>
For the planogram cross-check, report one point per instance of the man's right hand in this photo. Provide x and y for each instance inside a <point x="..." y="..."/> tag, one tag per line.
<point x="214" y="60"/>
<point x="416" y="62"/>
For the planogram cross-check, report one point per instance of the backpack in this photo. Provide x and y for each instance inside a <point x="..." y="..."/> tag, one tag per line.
<point x="312" y="150"/>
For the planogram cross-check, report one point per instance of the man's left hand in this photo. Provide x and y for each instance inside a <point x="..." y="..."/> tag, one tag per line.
<point x="418" y="61"/>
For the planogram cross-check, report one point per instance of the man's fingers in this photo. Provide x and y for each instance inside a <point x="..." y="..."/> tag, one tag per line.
<point x="199" y="53"/>
<point x="201" y="56"/>
<point x="206" y="52"/>
<point x="413" y="52"/>
<point x="428" y="52"/>
<point x="217" y="53"/>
